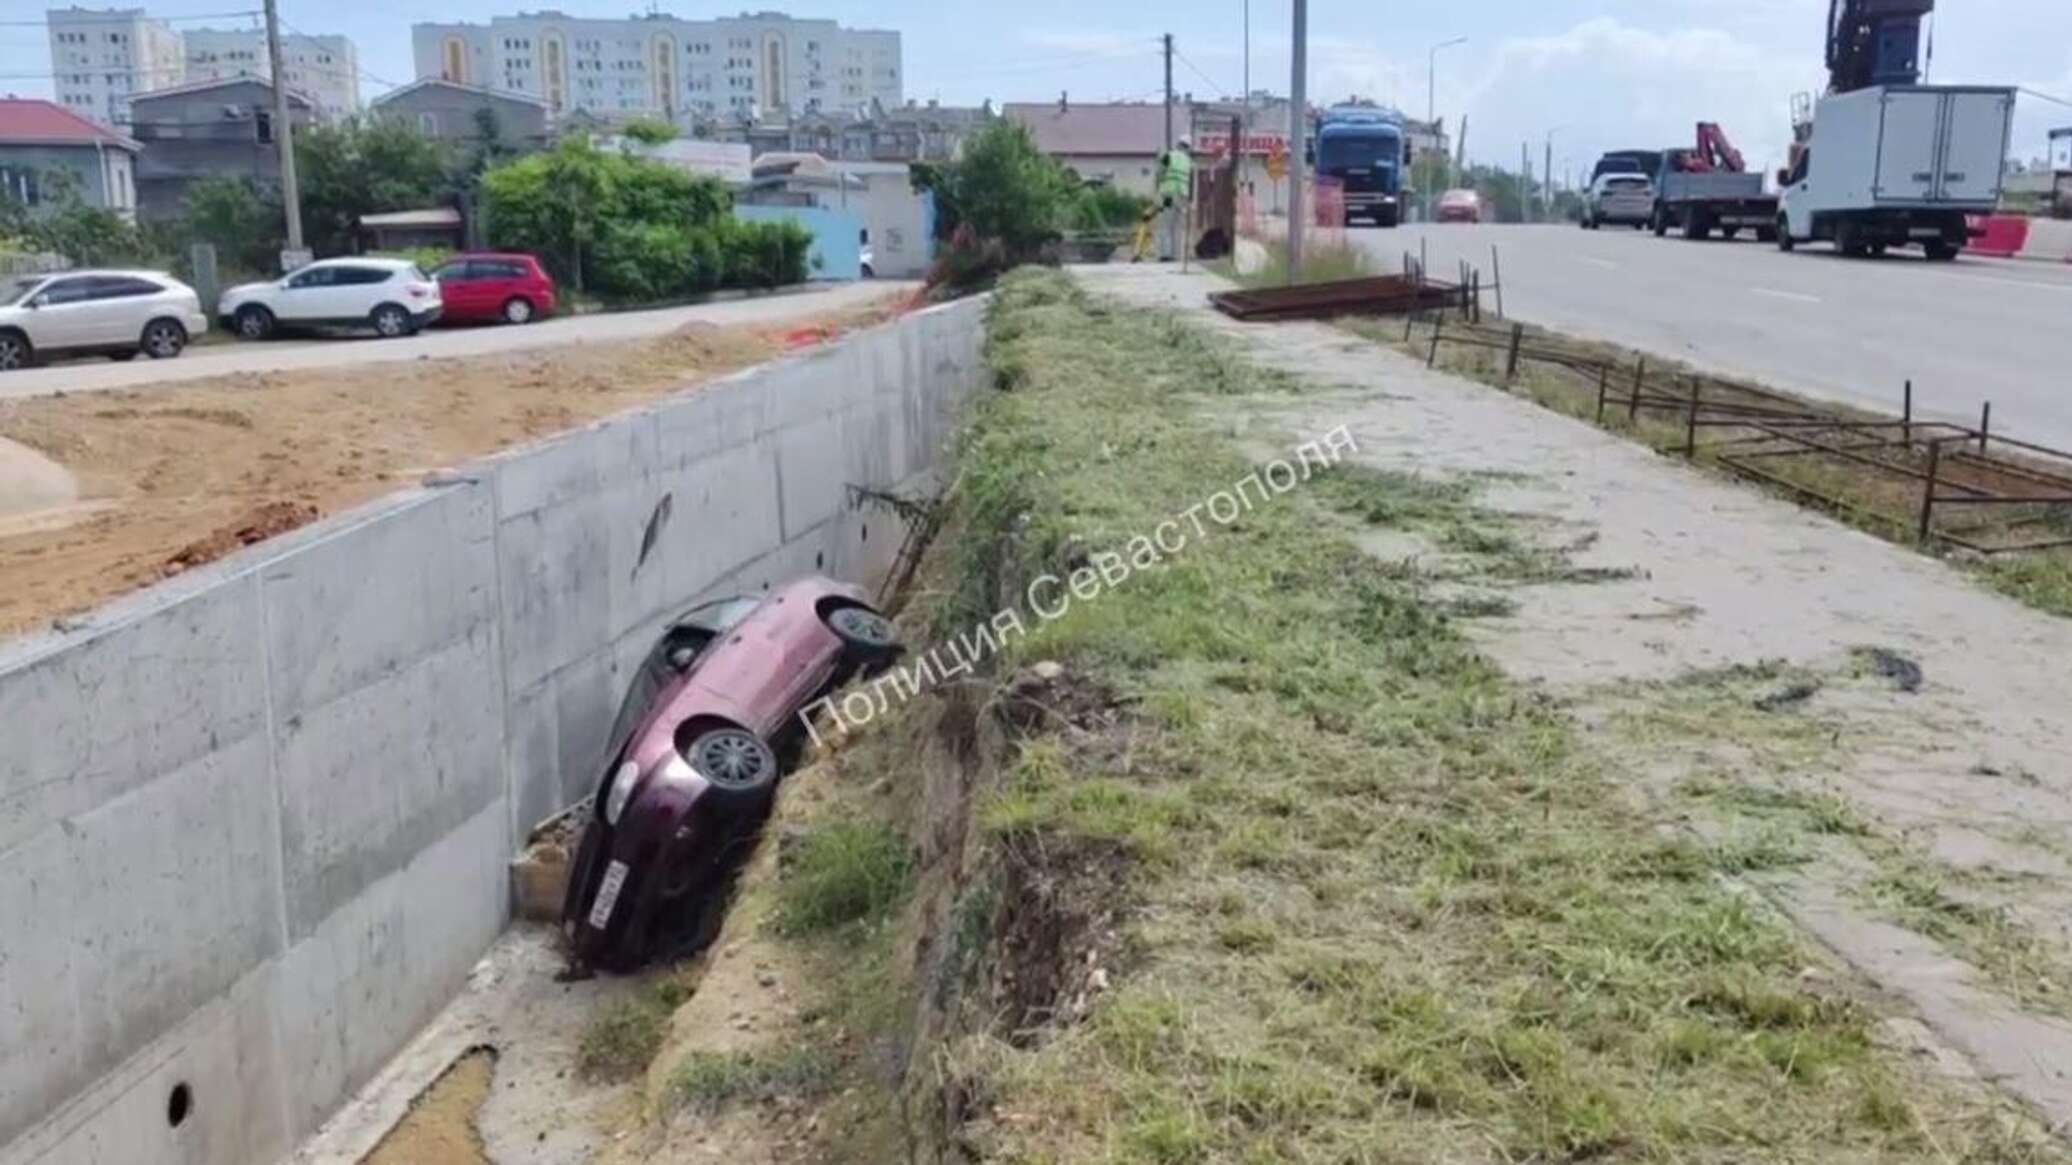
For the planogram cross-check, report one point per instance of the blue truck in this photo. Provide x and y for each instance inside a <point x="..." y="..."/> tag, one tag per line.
<point x="1366" y="149"/>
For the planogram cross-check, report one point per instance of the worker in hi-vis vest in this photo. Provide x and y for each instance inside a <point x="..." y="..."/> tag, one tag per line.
<point x="1175" y="191"/>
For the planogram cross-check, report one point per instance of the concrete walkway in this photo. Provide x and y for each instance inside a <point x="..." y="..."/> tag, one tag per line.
<point x="1974" y="770"/>
<point x="288" y="356"/>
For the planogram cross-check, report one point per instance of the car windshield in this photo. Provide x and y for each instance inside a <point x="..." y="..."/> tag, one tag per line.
<point x="1359" y="151"/>
<point x="15" y="290"/>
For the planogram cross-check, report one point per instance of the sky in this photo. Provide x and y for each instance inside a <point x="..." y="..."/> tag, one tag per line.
<point x="1592" y="76"/>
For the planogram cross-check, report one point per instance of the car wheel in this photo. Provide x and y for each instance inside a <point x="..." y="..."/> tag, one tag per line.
<point x="253" y="322"/>
<point x="1785" y="242"/>
<point x="15" y="351"/>
<point x="737" y="765"/>
<point x="1729" y="233"/>
<point x="164" y="339"/>
<point x="867" y="637"/>
<point x="1661" y="223"/>
<point x="1939" y="251"/>
<point x="390" y="321"/>
<point x="518" y="310"/>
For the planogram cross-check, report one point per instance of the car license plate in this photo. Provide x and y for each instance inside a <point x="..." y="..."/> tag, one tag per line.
<point x="607" y="895"/>
<point x="1925" y="233"/>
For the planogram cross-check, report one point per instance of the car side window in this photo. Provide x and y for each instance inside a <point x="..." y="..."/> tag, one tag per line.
<point x="122" y="287"/>
<point x="353" y="276"/>
<point x="509" y="269"/>
<point x="74" y="290"/>
<point x="313" y="277"/>
<point x="453" y="272"/>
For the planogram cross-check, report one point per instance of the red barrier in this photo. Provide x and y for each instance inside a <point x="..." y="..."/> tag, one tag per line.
<point x="2004" y="235"/>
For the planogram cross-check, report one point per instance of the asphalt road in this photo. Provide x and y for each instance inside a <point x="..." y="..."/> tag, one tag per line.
<point x="1849" y="330"/>
<point x="292" y="355"/>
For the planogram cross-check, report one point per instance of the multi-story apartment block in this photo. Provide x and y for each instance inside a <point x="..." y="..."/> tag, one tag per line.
<point x="325" y="68"/>
<point x="99" y="57"/>
<point x="663" y="66"/>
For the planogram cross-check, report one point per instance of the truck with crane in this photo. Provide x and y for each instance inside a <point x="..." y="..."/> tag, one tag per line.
<point x="1709" y="188"/>
<point x="1366" y="149"/>
<point x="1882" y="160"/>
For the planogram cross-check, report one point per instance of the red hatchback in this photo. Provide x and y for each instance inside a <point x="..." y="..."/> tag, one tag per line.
<point x="487" y="288"/>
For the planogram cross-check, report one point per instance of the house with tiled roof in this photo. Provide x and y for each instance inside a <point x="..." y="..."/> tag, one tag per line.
<point x="1116" y="142"/>
<point x="48" y="151"/>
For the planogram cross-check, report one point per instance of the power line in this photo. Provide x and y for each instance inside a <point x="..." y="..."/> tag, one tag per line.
<point x="1206" y="79"/>
<point x="2047" y="97"/>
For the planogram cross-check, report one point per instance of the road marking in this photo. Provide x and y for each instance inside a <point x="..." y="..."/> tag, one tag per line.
<point x="1601" y="262"/>
<point x="1794" y="296"/>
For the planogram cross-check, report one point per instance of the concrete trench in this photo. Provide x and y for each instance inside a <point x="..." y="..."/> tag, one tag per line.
<point x="255" y="821"/>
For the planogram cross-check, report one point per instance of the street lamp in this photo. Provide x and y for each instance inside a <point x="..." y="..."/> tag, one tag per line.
<point x="1547" y="177"/>
<point x="1431" y="108"/>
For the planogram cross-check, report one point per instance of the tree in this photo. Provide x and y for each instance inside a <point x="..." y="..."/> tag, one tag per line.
<point x="67" y="225"/>
<point x="594" y="217"/>
<point x="364" y="167"/>
<point x="237" y="217"/>
<point x="1003" y="189"/>
<point x="648" y="131"/>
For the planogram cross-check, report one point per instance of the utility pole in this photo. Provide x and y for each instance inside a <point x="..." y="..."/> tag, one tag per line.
<point x="1524" y="181"/>
<point x="1547" y="183"/>
<point x="284" y="131"/>
<point x="1168" y="38"/>
<point x="1298" y="123"/>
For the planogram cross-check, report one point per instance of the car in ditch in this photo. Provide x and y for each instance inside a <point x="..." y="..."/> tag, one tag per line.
<point x="709" y="724"/>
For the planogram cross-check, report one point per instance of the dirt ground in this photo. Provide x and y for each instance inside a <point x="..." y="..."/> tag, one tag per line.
<point x="1730" y="649"/>
<point x="171" y="478"/>
<point x="440" y="1128"/>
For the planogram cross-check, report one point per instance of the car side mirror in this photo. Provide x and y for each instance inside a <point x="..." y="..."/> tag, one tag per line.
<point x="35" y="301"/>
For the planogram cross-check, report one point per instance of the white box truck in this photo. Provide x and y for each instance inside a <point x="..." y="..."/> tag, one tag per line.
<point x="1894" y="165"/>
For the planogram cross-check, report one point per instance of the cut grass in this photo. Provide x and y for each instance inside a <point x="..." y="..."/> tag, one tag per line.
<point x="707" y="1081"/>
<point x="1324" y="259"/>
<point x="1392" y="908"/>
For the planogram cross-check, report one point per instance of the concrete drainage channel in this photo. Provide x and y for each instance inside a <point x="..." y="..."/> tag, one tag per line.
<point x="256" y="821"/>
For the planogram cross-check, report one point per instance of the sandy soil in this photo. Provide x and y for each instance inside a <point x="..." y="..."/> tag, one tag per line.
<point x="1964" y="785"/>
<point x="173" y="477"/>
<point x="440" y="1127"/>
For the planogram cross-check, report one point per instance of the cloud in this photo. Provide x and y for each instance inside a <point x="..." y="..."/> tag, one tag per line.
<point x="1091" y="42"/>
<point x="1607" y="84"/>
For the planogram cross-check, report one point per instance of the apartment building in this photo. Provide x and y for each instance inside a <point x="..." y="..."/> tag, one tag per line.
<point x="325" y="68"/>
<point x="102" y="57"/>
<point x="99" y="57"/>
<point x="754" y="64"/>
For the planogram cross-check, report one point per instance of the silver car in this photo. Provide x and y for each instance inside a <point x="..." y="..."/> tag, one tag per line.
<point x="1619" y="198"/>
<point x="113" y="313"/>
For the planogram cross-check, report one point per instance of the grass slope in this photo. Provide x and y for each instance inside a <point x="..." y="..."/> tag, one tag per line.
<point x="1381" y="904"/>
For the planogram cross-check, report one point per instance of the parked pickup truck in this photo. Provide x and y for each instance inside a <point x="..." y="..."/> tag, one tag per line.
<point x="1717" y="200"/>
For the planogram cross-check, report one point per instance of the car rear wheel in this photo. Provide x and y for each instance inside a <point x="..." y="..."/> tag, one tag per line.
<point x="390" y="321"/>
<point x="1939" y="251"/>
<point x="15" y="351"/>
<point x="867" y="637"/>
<point x="253" y="322"/>
<point x="737" y="765"/>
<point x="164" y="339"/>
<point x="1785" y="242"/>
<point x="518" y="310"/>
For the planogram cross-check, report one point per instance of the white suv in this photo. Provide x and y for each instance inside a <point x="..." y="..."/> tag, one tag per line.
<point x="120" y="313"/>
<point x="390" y="296"/>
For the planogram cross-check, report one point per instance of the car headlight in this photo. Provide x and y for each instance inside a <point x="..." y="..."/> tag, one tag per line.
<point x="621" y="792"/>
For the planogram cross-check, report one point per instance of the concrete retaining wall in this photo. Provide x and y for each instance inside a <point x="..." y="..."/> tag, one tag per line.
<point x="254" y="822"/>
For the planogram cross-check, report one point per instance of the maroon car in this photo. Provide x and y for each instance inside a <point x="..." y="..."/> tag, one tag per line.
<point x="709" y="724"/>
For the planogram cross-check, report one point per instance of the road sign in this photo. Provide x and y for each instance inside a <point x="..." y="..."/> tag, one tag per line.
<point x="1277" y="165"/>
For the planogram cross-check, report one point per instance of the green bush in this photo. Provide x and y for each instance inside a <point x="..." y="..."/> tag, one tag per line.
<point x="626" y="228"/>
<point x="766" y="254"/>
<point x="1099" y="208"/>
<point x="843" y="872"/>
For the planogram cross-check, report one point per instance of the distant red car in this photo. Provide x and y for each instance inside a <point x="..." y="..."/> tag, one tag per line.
<point x="1459" y="206"/>
<point x="487" y="288"/>
<point x="710" y="723"/>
